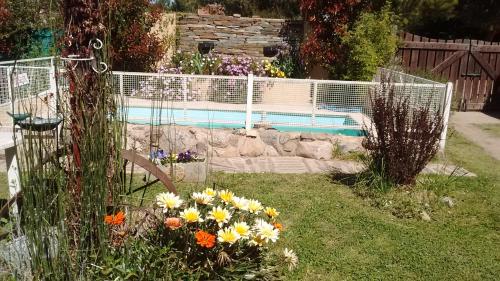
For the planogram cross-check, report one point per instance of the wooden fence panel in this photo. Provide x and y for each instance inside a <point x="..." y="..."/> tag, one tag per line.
<point x="472" y="65"/>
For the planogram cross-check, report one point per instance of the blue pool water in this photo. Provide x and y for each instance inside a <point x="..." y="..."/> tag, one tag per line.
<point x="236" y="119"/>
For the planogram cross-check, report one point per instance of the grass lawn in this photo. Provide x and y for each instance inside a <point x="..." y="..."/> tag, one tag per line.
<point x="4" y="188"/>
<point x="338" y="235"/>
<point x="492" y="129"/>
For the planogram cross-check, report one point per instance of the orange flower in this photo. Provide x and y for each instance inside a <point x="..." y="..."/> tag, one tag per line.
<point x="205" y="239"/>
<point x="173" y="223"/>
<point x="117" y="219"/>
<point x="278" y="226"/>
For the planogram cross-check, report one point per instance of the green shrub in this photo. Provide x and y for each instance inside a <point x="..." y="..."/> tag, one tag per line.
<point x="371" y="43"/>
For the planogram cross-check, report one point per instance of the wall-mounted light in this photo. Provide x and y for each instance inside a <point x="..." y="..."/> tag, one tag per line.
<point x="270" y="51"/>
<point x="205" y="47"/>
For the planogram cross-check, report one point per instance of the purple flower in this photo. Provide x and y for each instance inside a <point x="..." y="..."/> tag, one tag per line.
<point x="187" y="156"/>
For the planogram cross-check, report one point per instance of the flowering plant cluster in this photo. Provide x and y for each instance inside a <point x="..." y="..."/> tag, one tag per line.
<point x="212" y="235"/>
<point x="216" y="229"/>
<point x="160" y="157"/>
<point x="213" y="64"/>
<point x="239" y="66"/>
<point x="272" y="70"/>
<point x="166" y="88"/>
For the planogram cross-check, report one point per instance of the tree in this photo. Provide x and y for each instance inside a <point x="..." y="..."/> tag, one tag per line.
<point x="479" y="19"/>
<point x="426" y="17"/>
<point x="133" y="46"/>
<point x="328" y="22"/>
<point x="263" y="8"/>
<point x="19" y="20"/>
<point x="372" y="42"/>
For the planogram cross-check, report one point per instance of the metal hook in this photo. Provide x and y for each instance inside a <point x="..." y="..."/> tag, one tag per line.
<point x="105" y="68"/>
<point x="96" y="45"/>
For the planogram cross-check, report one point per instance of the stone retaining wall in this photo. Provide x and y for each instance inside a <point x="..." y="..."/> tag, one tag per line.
<point x="234" y="35"/>
<point x="235" y="143"/>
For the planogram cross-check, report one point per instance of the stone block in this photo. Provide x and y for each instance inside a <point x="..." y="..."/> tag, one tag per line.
<point x="252" y="147"/>
<point x="320" y="150"/>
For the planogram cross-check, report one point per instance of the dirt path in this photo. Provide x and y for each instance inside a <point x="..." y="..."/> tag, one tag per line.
<point x="466" y="123"/>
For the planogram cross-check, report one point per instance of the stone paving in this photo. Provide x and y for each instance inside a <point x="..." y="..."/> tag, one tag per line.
<point x="299" y="165"/>
<point x="467" y="123"/>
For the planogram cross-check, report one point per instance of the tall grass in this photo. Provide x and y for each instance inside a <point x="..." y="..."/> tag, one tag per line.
<point x="70" y="176"/>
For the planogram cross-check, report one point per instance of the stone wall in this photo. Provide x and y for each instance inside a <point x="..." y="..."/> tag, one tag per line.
<point x="236" y="143"/>
<point x="234" y="35"/>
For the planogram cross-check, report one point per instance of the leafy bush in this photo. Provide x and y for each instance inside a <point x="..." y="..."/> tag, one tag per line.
<point x="134" y="260"/>
<point x="403" y="137"/>
<point x="195" y="63"/>
<point x="226" y="90"/>
<point x="328" y="22"/>
<point x="21" y="23"/>
<point x="215" y="64"/>
<point x="371" y="43"/>
<point x="133" y="46"/>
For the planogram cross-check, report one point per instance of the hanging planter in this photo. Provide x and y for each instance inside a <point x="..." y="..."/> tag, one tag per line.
<point x="270" y="51"/>
<point x="39" y="124"/>
<point x="205" y="47"/>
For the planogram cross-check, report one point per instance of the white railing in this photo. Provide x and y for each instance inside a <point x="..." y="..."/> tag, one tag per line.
<point x="245" y="101"/>
<point x="401" y="77"/>
<point x="44" y="61"/>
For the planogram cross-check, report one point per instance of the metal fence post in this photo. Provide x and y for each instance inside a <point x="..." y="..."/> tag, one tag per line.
<point x="53" y="88"/>
<point x="9" y="89"/>
<point x="248" y="119"/>
<point x="446" y="115"/>
<point x="314" y="102"/>
<point x="185" y="97"/>
<point x="120" y="81"/>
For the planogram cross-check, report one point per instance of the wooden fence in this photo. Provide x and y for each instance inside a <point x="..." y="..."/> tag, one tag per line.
<point x="472" y="65"/>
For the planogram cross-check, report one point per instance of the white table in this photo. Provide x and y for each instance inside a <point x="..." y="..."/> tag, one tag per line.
<point x="7" y="144"/>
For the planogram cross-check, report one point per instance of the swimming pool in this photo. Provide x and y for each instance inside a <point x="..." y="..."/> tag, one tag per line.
<point x="320" y="123"/>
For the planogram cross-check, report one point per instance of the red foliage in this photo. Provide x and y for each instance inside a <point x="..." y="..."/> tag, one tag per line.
<point x="133" y="46"/>
<point x="328" y="20"/>
<point x="5" y="15"/>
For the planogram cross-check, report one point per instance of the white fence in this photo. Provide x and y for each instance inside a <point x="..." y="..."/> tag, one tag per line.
<point x="239" y="102"/>
<point x="288" y="104"/>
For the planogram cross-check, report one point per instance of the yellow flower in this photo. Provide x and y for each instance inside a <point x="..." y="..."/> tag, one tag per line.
<point x="210" y="192"/>
<point x="168" y="200"/>
<point x="219" y="215"/>
<point x="254" y="206"/>
<point x="271" y="212"/>
<point x="202" y="198"/>
<point x="265" y="231"/>
<point x="242" y="228"/>
<point x="191" y="215"/>
<point x="226" y="196"/>
<point x="240" y="203"/>
<point x="227" y="235"/>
